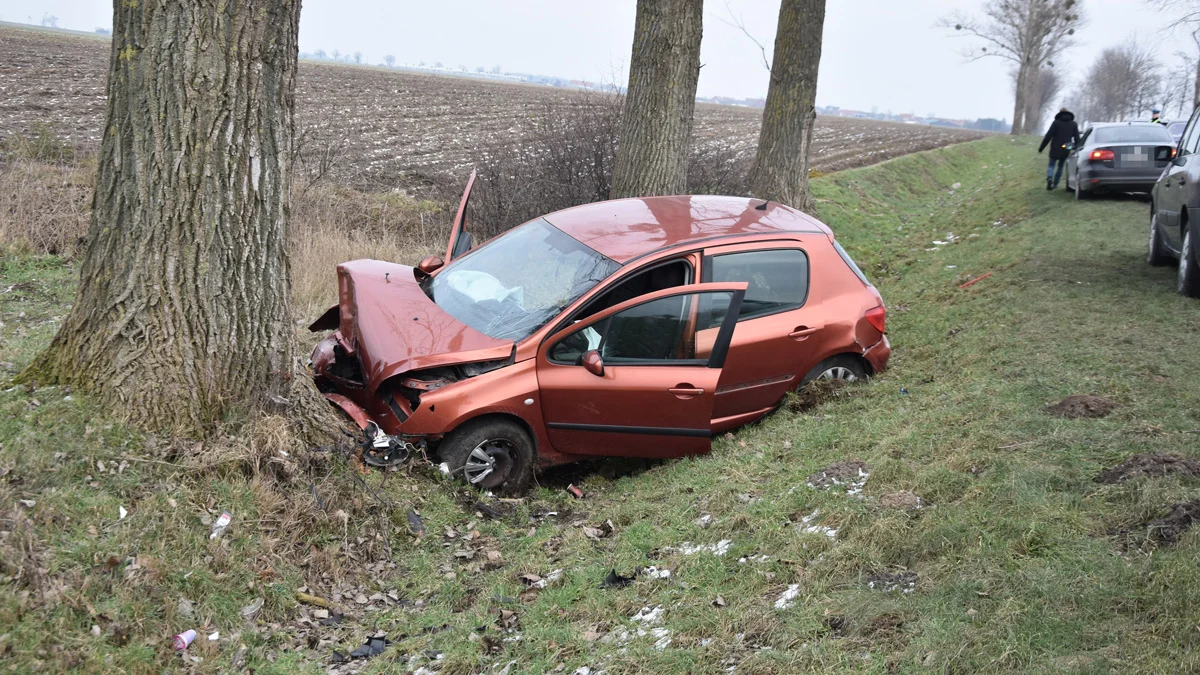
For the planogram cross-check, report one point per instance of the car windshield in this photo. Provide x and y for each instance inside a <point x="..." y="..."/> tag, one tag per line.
<point x="1147" y="134"/>
<point x="517" y="283"/>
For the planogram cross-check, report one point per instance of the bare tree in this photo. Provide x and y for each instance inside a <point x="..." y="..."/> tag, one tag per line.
<point x="1178" y="85"/>
<point x="389" y="61"/>
<point x="49" y="20"/>
<point x="358" y="57"/>
<point x="1187" y="18"/>
<point x="1029" y="33"/>
<point x="780" y="170"/>
<point x="656" y="128"/>
<point x="1043" y="90"/>
<point x="1123" y="83"/>
<point x="183" y="313"/>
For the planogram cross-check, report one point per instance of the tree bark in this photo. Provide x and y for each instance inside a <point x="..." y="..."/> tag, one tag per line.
<point x="1018" y="125"/>
<point x="1196" y="86"/>
<point x="780" y="171"/>
<point x="656" y="127"/>
<point x="182" y="317"/>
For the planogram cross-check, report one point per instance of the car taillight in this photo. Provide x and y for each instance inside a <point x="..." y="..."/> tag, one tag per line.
<point x="1101" y="155"/>
<point x="877" y="317"/>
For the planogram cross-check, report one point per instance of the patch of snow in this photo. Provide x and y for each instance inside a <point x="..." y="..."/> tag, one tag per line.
<point x="719" y="548"/>
<point x="807" y="526"/>
<point x="788" y="598"/>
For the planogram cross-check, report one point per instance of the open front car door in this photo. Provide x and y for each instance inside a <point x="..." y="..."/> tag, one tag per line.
<point x="632" y="381"/>
<point x="460" y="240"/>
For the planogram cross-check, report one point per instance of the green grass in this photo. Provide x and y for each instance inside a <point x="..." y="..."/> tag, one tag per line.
<point x="1017" y="568"/>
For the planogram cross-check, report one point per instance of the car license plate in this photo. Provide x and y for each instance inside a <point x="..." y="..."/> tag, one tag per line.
<point x="1137" y="156"/>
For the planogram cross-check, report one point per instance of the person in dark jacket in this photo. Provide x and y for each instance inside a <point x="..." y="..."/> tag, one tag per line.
<point x="1063" y="131"/>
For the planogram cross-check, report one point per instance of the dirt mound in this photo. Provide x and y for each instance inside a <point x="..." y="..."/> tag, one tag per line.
<point x="1150" y="464"/>
<point x="1169" y="528"/>
<point x="1081" y="406"/>
<point x="852" y="474"/>
<point x="902" y="500"/>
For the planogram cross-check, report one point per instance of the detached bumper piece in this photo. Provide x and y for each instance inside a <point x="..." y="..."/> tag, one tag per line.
<point x="382" y="450"/>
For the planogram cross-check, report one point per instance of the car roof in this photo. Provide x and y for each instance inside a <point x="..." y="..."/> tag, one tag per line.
<point x="1104" y="125"/>
<point x="623" y="229"/>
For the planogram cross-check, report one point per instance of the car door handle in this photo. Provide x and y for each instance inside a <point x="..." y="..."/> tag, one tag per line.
<point x="801" y="333"/>
<point x="685" y="391"/>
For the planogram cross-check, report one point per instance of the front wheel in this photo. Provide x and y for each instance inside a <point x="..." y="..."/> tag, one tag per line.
<point x="1189" y="267"/>
<point x="842" y="367"/>
<point x="490" y="454"/>
<point x="1156" y="253"/>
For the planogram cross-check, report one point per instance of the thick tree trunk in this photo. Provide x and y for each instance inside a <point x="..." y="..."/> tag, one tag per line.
<point x="183" y="313"/>
<point x="780" y="171"/>
<point x="1018" y="125"/>
<point x="656" y="127"/>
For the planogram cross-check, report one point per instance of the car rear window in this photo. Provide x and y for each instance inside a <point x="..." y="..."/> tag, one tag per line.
<point x="1147" y="134"/>
<point x="850" y="263"/>
<point x="777" y="278"/>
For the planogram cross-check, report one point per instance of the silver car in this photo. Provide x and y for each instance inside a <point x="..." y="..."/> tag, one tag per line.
<point x="1119" y="157"/>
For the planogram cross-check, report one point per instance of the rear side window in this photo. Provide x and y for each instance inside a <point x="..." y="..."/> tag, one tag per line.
<point x="1155" y="134"/>
<point x="850" y="263"/>
<point x="777" y="279"/>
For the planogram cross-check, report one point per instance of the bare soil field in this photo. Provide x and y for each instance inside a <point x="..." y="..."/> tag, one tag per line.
<point x="393" y="126"/>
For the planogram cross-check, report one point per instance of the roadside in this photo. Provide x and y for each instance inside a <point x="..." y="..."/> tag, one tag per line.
<point x="939" y="517"/>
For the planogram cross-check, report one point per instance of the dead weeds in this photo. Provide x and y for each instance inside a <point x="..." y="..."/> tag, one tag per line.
<point x="816" y="393"/>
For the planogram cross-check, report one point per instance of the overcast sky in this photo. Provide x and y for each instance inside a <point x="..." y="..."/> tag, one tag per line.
<point x="885" y="54"/>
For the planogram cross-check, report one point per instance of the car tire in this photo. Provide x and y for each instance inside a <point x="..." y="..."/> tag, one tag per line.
<point x="1079" y="192"/>
<point x="1189" y="266"/>
<point x="1156" y="253"/>
<point x="841" y="367"/>
<point x="490" y="454"/>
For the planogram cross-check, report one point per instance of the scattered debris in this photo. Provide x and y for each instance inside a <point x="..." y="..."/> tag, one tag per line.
<point x="902" y="500"/>
<point x="374" y="646"/>
<point x="1081" y="406"/>
<point x="852" y="475"/>
<point x="535" y="581"/>
<point x="904" y="581"/>
<point x="221" y="524"/>
<point x="415" y="524"/>
<point x="313" y="600"/>
<point x="614" y="580"/>
<point x="806" y="526"/>
<point x="656" y="572"/>
<point x="121" y="513"/>
<point x="29" y="503"/>
<point x="788" y="597"/>
<point x="181" y="641"/>
<point x="649" y="616"/>
<point x="251" y="610"/>
<point x="975" y="280"/>
<point x="444" y="468"/>
<point x="688" y="548"/>
<point x="1153" y="465"/>
<point x="597" y="533"/>
<point x="754" y="559"/>
<point x="718" y="601"/>
<point x="575" y="492"/>
<point x="214" y="636"/>
<point x="704" y="521"/>
<point x="956" y="186"/>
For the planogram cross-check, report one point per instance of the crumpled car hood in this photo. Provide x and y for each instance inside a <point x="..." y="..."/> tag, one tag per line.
<point x="393" y="327"/>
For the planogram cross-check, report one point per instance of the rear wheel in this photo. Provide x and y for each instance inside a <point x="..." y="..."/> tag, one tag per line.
<point x="841" y="367"/>
<point x="1079" y="193"/>
<point x="1189" y="267"/>
<point x="1156" y="254"/>
<point x="490" y="454"/>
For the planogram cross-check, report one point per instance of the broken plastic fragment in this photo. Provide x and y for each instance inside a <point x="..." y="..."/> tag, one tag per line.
<point x="222" y="523"/>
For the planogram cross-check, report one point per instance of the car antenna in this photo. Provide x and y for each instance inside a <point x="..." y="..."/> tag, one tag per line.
<point x="763" y="206"/>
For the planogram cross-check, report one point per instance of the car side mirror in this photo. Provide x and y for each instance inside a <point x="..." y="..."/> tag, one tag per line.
<point x="592" y="363"/>
<point x="1180" y="159"/>
<point x="430" y="264"/>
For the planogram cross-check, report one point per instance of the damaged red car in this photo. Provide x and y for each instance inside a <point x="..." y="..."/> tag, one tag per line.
<point x="633" y="327"/>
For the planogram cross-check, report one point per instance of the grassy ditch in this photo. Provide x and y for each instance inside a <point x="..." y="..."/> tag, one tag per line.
<point x="955" y="525"/>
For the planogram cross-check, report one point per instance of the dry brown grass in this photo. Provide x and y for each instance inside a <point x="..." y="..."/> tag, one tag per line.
<point x="45" y="207"/>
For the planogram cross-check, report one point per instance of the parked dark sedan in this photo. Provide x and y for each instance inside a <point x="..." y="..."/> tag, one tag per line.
<point x="1174" y="207"/>
<point x="1119" y="157"/>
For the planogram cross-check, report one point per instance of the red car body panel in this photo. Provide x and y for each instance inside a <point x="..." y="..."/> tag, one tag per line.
<point x="389" y="323"/>
<point x="411" y="352"/>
